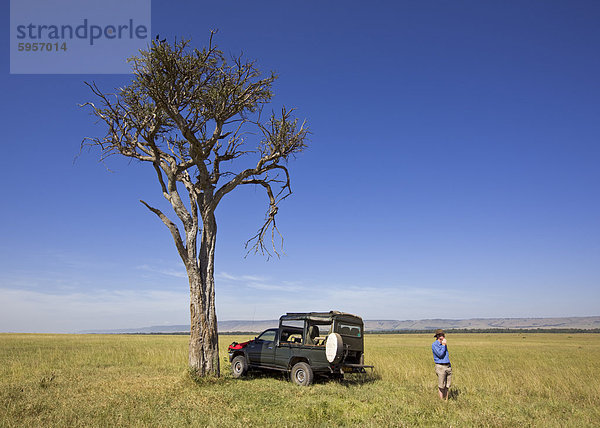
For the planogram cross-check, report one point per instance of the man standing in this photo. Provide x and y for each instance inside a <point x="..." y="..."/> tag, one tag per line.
<point x="442" y="363"/>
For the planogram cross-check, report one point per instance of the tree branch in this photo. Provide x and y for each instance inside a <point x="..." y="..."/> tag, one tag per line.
<point x="163" y="117"/>
<point x="173" y="229"/>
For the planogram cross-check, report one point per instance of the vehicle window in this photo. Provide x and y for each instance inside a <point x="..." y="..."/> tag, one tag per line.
<point x="317" y="333"/>
<point x="349" y="330"/>
<point x="324" y="329"/>
<point x="268" y="336"/>
<point x="291" y="336"/>
<point x="293" y="323"/>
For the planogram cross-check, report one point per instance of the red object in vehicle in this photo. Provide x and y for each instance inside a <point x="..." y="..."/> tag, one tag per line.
<point x="236" y="345"/>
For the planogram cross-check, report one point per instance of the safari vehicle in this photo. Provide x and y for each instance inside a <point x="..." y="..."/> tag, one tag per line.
<point x="305" y="345"/>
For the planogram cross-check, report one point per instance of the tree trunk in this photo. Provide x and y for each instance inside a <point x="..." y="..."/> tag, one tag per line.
<point x="204" y="344"/>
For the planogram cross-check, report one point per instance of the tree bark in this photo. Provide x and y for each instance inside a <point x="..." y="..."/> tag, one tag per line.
<point x="204" y="344"/>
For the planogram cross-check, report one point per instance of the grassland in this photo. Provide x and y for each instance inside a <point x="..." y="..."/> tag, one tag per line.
<point x="499" y="380"/>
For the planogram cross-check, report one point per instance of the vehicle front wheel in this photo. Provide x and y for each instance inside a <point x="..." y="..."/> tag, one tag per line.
<point x="301" y="374"/>
<point x="239" y="366"/>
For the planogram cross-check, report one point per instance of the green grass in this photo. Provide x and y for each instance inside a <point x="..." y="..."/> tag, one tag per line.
<point x="499" y="380"/>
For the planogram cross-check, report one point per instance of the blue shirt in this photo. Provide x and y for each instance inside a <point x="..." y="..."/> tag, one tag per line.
<point x="440" y="353"/>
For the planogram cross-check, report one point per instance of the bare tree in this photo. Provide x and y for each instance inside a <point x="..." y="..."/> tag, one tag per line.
<point x="191" y="114"/>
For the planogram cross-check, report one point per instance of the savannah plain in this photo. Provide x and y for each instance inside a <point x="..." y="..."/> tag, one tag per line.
<point x="500" y="380"/>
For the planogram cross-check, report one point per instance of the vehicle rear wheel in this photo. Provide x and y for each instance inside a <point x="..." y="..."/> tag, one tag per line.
<point x="301" y="374"/>
<point x="239" y="366"/>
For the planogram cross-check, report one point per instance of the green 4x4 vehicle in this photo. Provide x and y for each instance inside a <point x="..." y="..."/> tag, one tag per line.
<point x="305" y="345"/>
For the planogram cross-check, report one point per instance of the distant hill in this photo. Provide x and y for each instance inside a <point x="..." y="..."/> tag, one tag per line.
<point x="391" y="325"/>
<point x="486" y="323"/>
<point x="224" y="327"/>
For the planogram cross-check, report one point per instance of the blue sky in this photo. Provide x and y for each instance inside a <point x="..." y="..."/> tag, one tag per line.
<point x="452" y="172"/>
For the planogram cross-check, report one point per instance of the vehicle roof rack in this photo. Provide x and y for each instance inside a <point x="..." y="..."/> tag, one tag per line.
<point x="316" y="316"/>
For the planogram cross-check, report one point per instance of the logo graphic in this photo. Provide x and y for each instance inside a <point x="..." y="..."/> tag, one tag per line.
<point x="77" y="36"/>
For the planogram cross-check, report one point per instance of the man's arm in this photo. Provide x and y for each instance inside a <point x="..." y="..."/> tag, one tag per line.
<point x="439" y="350"/>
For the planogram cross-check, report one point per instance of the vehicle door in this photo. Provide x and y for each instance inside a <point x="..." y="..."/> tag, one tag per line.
<point x="289" y="339"/>
<point x="261" y="351"/>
